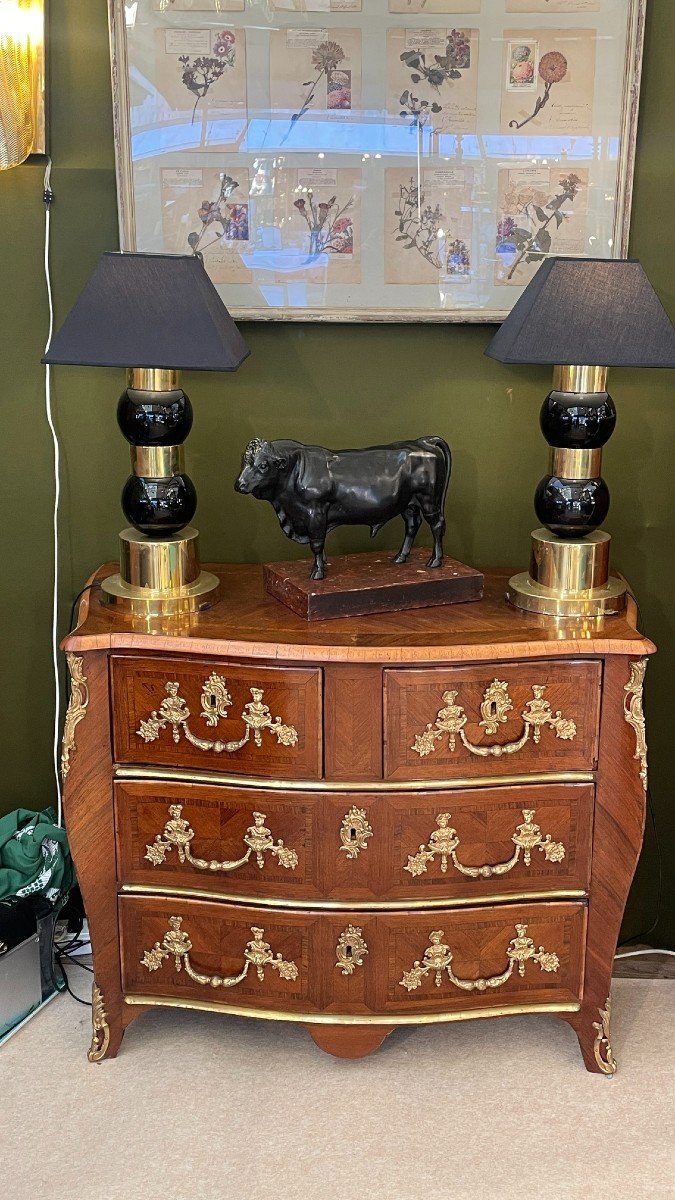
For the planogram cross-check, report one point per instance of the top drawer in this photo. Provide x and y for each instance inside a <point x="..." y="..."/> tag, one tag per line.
<point x="215" y="715"/>
<point x="494" y="719"/>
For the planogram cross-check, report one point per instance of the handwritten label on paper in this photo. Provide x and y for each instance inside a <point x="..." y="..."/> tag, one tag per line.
<point x="317" y="178"/>
<point x="425" y="39"/>
<point x="183" y="177"/>
<point x="187" y="41"/>
<point x="444" y="179"/>
<point x="305" y="39"/>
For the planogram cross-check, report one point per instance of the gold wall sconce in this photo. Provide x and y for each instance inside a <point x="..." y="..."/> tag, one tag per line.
<point x="22" y="81"/>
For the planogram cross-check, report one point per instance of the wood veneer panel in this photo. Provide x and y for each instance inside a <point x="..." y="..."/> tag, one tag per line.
<point x="485" y="820"/>
<point x="353" y="722"/>
<point x="478" y="938"/>
<point x="139" y="686"/>
<point x="88" y="811"/>
<point x="617" y="839"/>
<point x="414" y="697"/>
<point x="247" y="623"/>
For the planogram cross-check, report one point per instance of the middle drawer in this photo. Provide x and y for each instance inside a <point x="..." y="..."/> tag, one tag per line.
<point x="355" y="847"/>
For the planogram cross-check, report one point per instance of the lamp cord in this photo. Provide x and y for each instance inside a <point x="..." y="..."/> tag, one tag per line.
<point x="48" y="197"/>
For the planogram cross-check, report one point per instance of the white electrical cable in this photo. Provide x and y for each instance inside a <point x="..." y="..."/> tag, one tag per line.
<point x="638" y="953"/>
<point x="57" y="496"/>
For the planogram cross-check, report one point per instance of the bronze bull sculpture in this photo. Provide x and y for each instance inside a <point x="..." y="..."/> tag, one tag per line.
<point x="313" y="490"/>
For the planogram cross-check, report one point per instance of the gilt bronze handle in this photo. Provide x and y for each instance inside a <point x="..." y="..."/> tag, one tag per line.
<point x="177" y="944"/>
<point x="495" y="705"/>
<point x="179" y="833"/>
<point x="437" y="958"/>
<point x="444" y="840"/>
<point x="215" y="698"/>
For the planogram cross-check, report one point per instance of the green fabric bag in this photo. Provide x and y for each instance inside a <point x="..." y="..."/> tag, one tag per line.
<point x="34" y="855"/>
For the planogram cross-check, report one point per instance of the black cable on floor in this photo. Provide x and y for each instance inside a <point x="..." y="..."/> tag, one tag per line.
<point x="59" y="957"/>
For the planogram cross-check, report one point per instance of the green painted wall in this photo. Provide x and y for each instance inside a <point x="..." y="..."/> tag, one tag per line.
<point x="328" y="384"/>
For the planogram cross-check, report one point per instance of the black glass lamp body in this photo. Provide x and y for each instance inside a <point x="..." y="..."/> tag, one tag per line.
<point x="154" y="419"/>
<point x="573" y="505"/>
<point x="157" y="505"/>
<point x="571" y="508"/>
<point x="577" y="420"/>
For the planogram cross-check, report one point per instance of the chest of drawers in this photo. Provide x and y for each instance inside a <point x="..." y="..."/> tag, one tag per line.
<point x="357" y="824"/>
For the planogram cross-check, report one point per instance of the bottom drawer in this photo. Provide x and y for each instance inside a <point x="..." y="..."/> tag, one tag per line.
<point x="324" y="965"/>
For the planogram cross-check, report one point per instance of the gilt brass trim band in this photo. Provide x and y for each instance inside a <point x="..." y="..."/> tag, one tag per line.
<point x="153" y="379"/>
<point x="100" y="1030"/>
<point x="160" y="577"/>
<point x="176" y="775"/>
<point x="164" y="565"/>
<point x="76" y="711"/>
<point x="188" y="893"/>
<point x="565" y="463"/>
<point x="602" y="1047"/>
<point x="570" y="567"/>
<point x="634" y="714"/>
<point x="597" y="603"/>
<point x="268" y="1014"/>
<point x="580" y="379"/>
<point x="157" y="462"/>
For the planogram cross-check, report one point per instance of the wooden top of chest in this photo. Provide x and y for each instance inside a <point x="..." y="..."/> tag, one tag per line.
<point x="247" y="623"/>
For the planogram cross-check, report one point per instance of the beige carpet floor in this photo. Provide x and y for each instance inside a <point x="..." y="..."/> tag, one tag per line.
<point x="201" y="1106"/>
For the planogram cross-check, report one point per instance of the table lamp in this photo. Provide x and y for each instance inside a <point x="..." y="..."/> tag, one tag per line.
<point x="581" y="315"/>
<point x="154" y="314"/>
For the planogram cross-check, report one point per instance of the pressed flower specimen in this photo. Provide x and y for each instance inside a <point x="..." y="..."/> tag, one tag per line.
<point x="419" y="110"/>
<point x="419" y="225"/>
<point x="521" y="69"/>
<point x="227" y="222"/>
<point x="199" y="74"/>
<point x="552" y="69"/>
<point x="339" y="89"/>
<point x="445" y="67"/>
<point x="325" y="58"/>
<point x="533" y="244"/>
<point x="330" y="229"/>
<point x="457" y="260"/>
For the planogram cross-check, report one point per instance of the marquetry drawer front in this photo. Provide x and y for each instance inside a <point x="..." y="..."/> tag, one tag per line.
<point x="217" y="715"/>
<point x="495" y="719"/>
<point x="466" y="844"/>
<point x="404" y="964"/>
<point x="236" y="841"/>
<point x="355" y="848"/>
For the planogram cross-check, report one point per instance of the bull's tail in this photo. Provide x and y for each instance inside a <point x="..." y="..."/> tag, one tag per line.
<point x="440" y="443"/>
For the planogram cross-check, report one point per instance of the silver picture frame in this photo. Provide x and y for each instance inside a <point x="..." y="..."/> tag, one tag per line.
<point x="141" y="207"/>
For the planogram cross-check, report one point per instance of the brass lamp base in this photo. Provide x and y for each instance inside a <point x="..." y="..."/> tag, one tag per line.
<point x="160" y="577"/>
<point x="568" y="578"/>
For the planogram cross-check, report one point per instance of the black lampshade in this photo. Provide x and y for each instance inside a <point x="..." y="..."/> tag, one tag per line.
<point x="597" y="312"/>
<point x="149" y="310"/>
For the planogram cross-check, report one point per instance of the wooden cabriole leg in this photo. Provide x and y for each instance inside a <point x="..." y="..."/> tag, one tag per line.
<point x="617" y="837"/>
<point x="88" y="810"/>
<point x="349" y="1041"/>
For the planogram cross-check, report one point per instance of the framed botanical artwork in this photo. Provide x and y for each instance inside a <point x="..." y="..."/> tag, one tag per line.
<point x="375" y="160"/>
